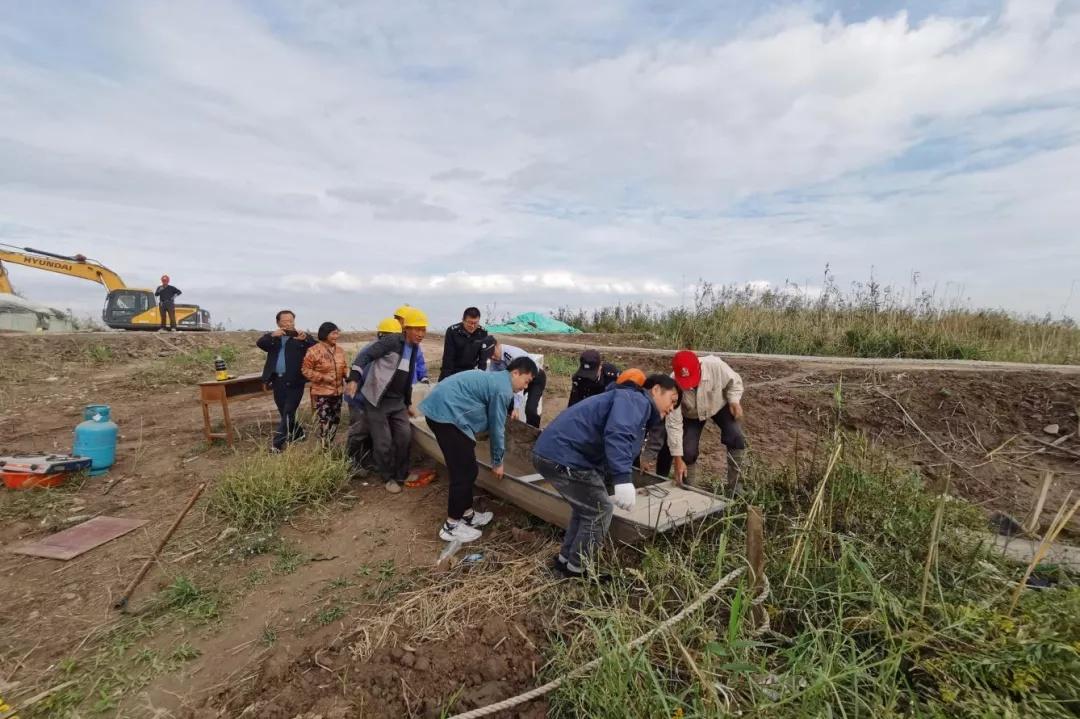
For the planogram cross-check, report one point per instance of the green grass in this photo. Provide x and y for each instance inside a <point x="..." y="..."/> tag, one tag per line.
<point x="119" y="661"/>
<point x="868" y="321"/>
<point x="191" y="601"/>
<point x="99" y="354"/>
<point x="560" y="364"/>
<point x="39" y="504"/>
<point x="256" y="491"/>
<point x="187" y="367"/>
<point x="852" y="637"/>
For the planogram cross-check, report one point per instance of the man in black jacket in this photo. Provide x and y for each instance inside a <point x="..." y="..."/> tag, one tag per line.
<point x="592" y="378"/>
<point x="285" y="348"/>
<point x="466" y="346"/>
<point x="166" y="295"/>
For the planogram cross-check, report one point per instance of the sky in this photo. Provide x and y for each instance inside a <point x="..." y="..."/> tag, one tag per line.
<point x="342" y="158"/>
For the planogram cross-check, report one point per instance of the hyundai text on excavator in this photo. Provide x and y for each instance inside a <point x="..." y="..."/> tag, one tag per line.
<point x="126" y="308"/>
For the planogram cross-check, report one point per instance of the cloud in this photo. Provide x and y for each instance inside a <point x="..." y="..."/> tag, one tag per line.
<point x="542" y="154"/>
<point x="489" y="284"/>
<point x="394" y="204"/>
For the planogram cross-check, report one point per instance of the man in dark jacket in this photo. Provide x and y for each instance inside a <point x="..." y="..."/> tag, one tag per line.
<point x="592" y="378"/>
<point x="596" y="438"/>
<point x="466" y="345"/>
<point x="166" y="295"/>
<point x="285" y="348"/>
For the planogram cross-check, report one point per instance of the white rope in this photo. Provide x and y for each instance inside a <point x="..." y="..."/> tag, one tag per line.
<point x="585" y="668"/>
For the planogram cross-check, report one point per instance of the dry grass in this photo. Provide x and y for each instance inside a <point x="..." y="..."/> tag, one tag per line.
<point x="435" y="612"/>
<point x="867" y="321"/>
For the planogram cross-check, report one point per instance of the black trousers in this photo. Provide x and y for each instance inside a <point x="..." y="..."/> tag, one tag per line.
<point x="533" y="394"/>
<point x="169" y="309"/>
<point x="459" y="452"/>
<point x="731" y="436"/>
<point x="287" y="397"/>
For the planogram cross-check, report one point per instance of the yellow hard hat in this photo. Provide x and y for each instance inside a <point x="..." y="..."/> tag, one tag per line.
<point x="400" y="311"/>
<point x="390" y="325"/>
<point x="414" y="317"/>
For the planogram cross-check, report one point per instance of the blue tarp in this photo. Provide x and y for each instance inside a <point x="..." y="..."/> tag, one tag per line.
<point x="532" y="323"/>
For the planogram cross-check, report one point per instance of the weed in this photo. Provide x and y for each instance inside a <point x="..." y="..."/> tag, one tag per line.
<point x="288" y="560"/>
<point x="329" y="615"/>
<point x="386" y="569"/>
<point x="99" y="354"/>
<point x="184" y="653"/>
<point x="338" y="583"/>
<point x="255" y="578"/>
<point x="269" y="636"/>
<point x="191" y="601"/>
<point x="258" y="490"/>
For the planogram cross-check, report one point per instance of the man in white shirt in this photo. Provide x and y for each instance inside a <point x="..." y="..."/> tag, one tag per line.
<point x="527" y="402"/>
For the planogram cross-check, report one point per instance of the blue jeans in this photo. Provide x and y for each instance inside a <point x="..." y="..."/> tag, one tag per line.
<point x="590" y="508"/>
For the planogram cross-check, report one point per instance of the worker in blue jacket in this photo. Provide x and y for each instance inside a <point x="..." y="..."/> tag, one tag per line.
<point x="460" y="407"/>
<point x="596" y="438"/>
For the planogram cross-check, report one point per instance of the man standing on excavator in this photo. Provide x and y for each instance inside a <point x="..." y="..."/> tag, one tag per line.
<point x="166" y="295"/>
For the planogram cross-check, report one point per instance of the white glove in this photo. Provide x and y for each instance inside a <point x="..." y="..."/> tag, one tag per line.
<point x="625" y="496"/>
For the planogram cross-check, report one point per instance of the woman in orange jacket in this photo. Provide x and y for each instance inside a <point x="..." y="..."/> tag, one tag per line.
<point x="325" y="368"/>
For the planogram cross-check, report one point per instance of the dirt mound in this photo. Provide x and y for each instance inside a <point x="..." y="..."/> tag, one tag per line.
<point x="482" y="664"/>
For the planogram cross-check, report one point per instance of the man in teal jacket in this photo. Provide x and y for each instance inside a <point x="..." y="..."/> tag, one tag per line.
<point x="460" y="407"/>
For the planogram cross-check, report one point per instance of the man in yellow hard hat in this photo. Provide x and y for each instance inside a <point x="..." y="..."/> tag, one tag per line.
<point x="382" y="375"/>
<point x="421" y="366"/>
<point x="358" y="445"/>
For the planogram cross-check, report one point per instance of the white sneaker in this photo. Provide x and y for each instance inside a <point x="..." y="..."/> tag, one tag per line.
<point x="460" y="532"/>
<point x="478" y="519"/>
<point x="393" y="487"/>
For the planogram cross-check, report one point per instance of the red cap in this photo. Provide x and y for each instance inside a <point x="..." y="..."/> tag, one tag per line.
<point x="687" y="368"/>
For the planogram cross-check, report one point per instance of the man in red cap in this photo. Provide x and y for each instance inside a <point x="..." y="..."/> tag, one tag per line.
<point x="166" y="295"/>
<point x="711" y="390"/>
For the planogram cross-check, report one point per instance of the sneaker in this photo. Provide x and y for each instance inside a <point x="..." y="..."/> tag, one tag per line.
<point x="393" y="487"/>
<point x="478" y="519"/>
<point x="563" y="570"/>
<point x="459" y="532"/>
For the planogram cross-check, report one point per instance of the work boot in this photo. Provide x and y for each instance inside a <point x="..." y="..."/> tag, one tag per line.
<point x="691" y="475"/>
<point x="736" y="459"/>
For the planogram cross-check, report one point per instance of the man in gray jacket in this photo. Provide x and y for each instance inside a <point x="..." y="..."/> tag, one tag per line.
<point x="382" y="374"/>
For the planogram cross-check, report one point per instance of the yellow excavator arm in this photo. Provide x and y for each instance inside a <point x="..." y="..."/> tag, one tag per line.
<point x="73" y="266"/>
<point x="5" y="283"/>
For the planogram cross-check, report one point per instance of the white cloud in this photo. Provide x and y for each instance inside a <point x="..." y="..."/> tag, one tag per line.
<point x="488" y="284"/>
<point x="540" y="153"/>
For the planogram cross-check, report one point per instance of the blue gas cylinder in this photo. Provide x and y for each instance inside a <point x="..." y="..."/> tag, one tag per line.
<point x="95" y="437"/>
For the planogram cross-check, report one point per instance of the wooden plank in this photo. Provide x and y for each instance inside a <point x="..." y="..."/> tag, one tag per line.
<point x="79" y="539"/>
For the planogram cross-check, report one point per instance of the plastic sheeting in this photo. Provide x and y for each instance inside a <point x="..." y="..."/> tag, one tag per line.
<point x="532" y="323"/>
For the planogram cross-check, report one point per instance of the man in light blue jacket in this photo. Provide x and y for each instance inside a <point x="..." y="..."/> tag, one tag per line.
<point x="460" y="407"/>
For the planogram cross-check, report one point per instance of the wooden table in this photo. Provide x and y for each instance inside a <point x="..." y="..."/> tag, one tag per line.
<point x="238" y="388"/>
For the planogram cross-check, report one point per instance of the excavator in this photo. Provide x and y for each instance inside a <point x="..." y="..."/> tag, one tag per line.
<point x="126" y="308"/>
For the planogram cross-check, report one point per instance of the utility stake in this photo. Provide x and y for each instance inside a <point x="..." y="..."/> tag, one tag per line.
<point x="121" y="603"/>
<point x="755" y="554"/>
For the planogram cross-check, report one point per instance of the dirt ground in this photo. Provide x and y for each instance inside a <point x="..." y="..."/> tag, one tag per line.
<point x="284" y="640"/>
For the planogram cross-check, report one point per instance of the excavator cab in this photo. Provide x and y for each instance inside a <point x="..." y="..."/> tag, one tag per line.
<point x="131" y="309"/>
